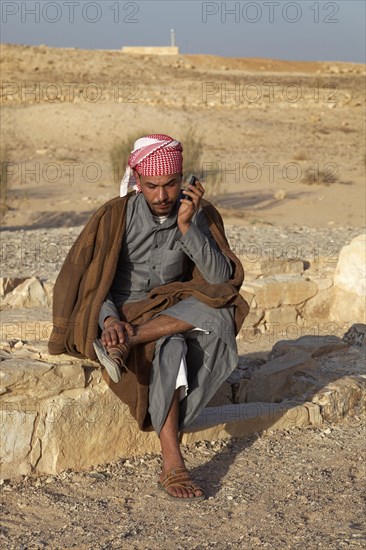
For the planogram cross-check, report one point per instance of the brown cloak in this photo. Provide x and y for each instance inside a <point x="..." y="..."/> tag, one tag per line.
<point x="86" y="277"/>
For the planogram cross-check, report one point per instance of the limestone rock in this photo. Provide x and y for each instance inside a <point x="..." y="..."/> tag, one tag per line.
<point x="271" y="381"/>
<point x="223" y="396"/>
<point x="246" y="418"/>
<point x="248" y="296"/>
<point x="356" y="335"/>
<point x="349" y="303"/>
<point x="27" y="331"/>
<point x="240" y="391"/>
<point x="251" y="322"/>
<point x="37" y="379"/>
<point x="267" y="267"/>
<point x="281" y="290"/>
<point x="30" y="293"/>
<point x="340" y="397"/>
<point x="322" y="282"/>
<point x="47" y="406"/>
<point x="48" y="288"/>
<point x="80" y="418"/>
<point x="281" y="316"/>
<point x="254" y="317"/>
<point x="314" y="345"/>
<point x="347" y="308"/>
<point x="26" y="325"/>
<point x="7" y="284"/>
<point x="4" y="354"/>
<point x="317" y="309"/>
<point x="230" y="393"/>
<point x="350" y="273"/>
<point x="17" y="428"/>
<point x="19" y="344"/>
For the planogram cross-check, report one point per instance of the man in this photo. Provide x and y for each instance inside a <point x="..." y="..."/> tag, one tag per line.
<point x="154" y="269"/>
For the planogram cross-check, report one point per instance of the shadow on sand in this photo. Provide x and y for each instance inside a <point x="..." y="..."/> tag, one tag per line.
<point x="48" y="220"/>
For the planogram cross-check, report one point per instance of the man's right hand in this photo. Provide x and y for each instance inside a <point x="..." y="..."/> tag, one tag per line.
<point x="116" y="332"/>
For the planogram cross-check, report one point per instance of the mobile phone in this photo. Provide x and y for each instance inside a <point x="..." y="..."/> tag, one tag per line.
<point x="191" y="182"/>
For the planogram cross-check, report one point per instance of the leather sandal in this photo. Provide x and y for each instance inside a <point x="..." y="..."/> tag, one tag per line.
<point x="180" y="478"/>
<point x="113" y="359"/>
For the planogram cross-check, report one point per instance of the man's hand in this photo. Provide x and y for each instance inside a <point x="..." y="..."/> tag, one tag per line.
<point x="116" y="332"/>
<point x="188" y="208"/>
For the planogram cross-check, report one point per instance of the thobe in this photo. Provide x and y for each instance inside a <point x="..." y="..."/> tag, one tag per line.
<point x="152" y="254"/>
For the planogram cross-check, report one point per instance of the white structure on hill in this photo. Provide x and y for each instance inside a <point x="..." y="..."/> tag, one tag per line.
<point x="154" y="50"/>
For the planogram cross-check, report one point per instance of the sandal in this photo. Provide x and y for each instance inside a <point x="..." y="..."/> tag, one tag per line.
<point x="180" y="478"/>
<point x="113" y="359"/>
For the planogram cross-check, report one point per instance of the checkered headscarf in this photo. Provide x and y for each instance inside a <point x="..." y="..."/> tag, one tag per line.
<point x="153" y="155"/>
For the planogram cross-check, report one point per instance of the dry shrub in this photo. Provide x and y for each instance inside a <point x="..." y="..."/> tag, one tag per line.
<point x="347" y="130"/>
<point x="192" y="163"/>
<point x="192" y="154"/>
<point x="121" y="151"/>
<point x="322" y="177"/>
<point x="300" y="155"/>
<point x="192" y="159"/>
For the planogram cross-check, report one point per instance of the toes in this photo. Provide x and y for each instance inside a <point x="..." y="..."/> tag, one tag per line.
<point x="175" y="492"/>
<point x="190" y="492"/>
<point x="182" y="493"/>
<point x="177" y="483"/>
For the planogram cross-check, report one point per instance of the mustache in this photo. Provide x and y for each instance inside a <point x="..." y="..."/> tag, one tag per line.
<point x="162" y="203"/>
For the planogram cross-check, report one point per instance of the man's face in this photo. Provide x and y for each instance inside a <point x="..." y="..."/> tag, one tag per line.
<point x="161" y="192"/>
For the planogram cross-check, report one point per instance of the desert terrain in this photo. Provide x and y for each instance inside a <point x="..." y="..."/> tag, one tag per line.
<point x="286" y="140"/>
<point x="290" y="489"/>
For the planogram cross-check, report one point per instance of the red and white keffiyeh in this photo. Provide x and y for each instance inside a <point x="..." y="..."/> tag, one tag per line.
<point x="153" y="155"/>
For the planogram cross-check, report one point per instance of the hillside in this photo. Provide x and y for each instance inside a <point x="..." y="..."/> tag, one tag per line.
<point x="286" y="138"/>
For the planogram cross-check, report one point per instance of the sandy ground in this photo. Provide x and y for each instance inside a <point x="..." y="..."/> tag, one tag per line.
<point x="293" y="489"/>
<point x="267" y="127"/>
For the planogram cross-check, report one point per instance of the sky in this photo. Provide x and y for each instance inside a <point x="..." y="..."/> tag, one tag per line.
<point x="301" y="30"/>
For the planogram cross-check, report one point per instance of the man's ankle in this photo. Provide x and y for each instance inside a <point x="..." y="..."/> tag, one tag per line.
<point x="173" y="461"/>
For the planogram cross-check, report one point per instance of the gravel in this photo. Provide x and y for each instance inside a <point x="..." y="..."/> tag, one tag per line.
<point x="288" y="489"/>
<point x="41" y="252"/>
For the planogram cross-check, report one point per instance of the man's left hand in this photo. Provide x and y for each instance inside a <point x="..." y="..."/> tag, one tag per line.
<point x="188" y="208"/>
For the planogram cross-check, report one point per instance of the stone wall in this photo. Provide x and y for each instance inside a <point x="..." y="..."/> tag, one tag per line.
<point x="287" y="297"/>
<point x="292" y="297"/>
<point x="57" y="412"/>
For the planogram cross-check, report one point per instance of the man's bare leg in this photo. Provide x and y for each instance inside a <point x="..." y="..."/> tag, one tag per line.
<point x="170" y="449"/>
<point x="147" y="332"/>
<point x="156" y="328"/>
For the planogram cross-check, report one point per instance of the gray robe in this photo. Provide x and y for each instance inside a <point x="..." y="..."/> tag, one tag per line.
<point x="153" y="254"/>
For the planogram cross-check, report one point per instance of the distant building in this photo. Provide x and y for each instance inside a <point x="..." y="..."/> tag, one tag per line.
<point x="154" y="50"/>
<point x="151" y="50"/>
